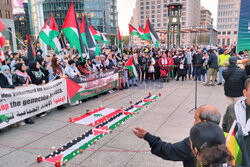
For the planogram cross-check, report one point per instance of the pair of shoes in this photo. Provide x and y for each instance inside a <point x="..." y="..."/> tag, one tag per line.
<point x="219" y="84"/>
<point x="135" y="85"/>
<point x="126" y="87"/>
<point x="29" y="121"/>
<point x="22" y="123"/>
<point x="212" y="84"/>
<point x="43" y="114"/>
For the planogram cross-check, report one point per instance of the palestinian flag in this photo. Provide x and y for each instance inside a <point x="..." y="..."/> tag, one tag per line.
<point x="120" y="42"/>
<point x="133" y="31"/>
<point x="150" y="34"/>
<point x="71" y="30"/>
<point x="233" y="146"/>
<point x="88" y="38"/>
<point x="2" y="40"/>
<point x="141" y="31"/>
<point x="74" y="147"/>
<point x="104" y="39"/>
<point x="31" y="53"/>
<point x="130" y="66"/>
<point x="95" y="117"/>
<point x="2" y="58"/>
<point x="49" y="34"/>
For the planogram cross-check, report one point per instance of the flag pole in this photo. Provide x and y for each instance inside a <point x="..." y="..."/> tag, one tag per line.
<point x="59" y="37"/>
<point x="16" y="37"/>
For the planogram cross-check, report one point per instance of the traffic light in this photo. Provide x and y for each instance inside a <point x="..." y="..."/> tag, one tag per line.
<point x="172" y="7"/>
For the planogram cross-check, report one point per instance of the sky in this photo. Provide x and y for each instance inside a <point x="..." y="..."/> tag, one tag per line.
<point x="125" y="11"/>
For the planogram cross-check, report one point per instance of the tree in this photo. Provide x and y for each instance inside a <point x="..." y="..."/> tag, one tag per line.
<point x="125" y="40"/>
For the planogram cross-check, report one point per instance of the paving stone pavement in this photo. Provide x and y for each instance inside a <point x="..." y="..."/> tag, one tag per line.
<point x="168" y="118"/>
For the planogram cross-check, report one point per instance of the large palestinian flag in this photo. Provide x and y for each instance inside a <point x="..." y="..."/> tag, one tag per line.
<point x="130" y="66"/>
<point x="150" y="34"/>
<point x="88" y="38"/>
<point x="141" y="31"/>
<point x="76" y="146"/>
<point x="133" y="31"/>
<point x="49" y="34"/>
<point x="120" y="42"/>
<point x="71" y="30"/>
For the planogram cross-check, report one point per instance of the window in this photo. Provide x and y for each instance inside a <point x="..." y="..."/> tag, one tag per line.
<point x="229" y="32"/>
<point x="147" y="3"/>
<point x="7" y="14"/>
<point x="165" y="6"/>
<point x="152" y="11"/>
<point x="142" y="8"/>
<point x="164" y="15"/>
<point x="164" y="24"/>
<point x="142" y="17"/>
<point x="158" y="6"/>
<point x="142" y="3"/>
<point x="224" y="33"/>
<point x="142" y="12"/>
<point x="235" y="32"/>
<point x="153" y="20"/>
<point x="159" y="24"/>
<point x="153" y="16"/>
<point x="219" y="33"/>
<point x="147" y="7"/>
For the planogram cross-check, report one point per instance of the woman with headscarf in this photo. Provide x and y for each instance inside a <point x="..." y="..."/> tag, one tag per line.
<point x="36" y="74"/>
<point x="5" y="77"/>
<point x="91" y="66"/>
<point x="21" y="77"/>
<point x="44" y="67"/>
<point x="56" y="71"/>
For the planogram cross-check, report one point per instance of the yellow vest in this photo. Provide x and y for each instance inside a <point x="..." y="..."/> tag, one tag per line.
<point x="224" y="60"/>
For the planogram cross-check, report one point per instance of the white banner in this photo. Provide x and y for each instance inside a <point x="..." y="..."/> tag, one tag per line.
<point x="27" y="101"/>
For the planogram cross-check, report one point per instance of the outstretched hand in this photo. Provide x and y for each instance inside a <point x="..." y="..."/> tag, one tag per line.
<point x="139" y="132"/>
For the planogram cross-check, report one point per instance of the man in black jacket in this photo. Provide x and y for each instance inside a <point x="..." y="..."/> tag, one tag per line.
<point x="197" y="64"/>
<point x="234" y="81"/>
<point x="213" y="68"/>
<point x="180" y="151"/>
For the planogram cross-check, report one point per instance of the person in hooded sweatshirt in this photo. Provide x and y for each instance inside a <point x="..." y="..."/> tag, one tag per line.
<point x="36" y="74"/>
<point x="5" y="77"/>
<point x="71" y="71"/>
<point x="21" y="78"/>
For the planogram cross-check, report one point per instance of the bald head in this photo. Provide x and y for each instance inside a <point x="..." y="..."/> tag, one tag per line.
<point x="207" y="113"/>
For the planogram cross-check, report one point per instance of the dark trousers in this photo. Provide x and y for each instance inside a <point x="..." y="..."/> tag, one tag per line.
<point x="197" y="72"/>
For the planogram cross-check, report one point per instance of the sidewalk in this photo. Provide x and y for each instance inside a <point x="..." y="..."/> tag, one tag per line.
<point x="168" y="118"/>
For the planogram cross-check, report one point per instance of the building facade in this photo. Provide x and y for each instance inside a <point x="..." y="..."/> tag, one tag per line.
<point x="157" y="12"/>
<point x="228" y="21"/>
<point x="21" y="20"/>
<point x="102" y="14"/>
<point x="36" y="20"/>
<point x="7" y="17"/>
<point x="206" y="17"/>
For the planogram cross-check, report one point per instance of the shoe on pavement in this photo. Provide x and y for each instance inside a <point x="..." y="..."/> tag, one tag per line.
<point x="22" y="123"/>
<point x="29" y="121"/>
<point x="219" y="84"/>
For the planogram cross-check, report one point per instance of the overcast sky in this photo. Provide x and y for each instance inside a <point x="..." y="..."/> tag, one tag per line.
<point x="125" y="11"/>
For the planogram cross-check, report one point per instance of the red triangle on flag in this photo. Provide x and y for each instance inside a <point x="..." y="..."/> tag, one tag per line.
<point x="101" y="130"/>
<point x="72" y="88"/>
<point x="127" y="113"/>
<point x="136" y="106"/>
<point x="70" y="20"/>
<point x="147" y="29"/>
<point x="92" y="29"/>
<point x="2" y="26"/>
<point x="147" y="100"/>
<point x="53" y="25"/>
<point x="54" y="159"/>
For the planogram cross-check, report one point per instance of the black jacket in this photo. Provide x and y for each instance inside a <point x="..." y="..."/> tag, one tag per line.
<point x="4" y="83"/>
<point x="213" y="61"/>
<point x="35" y="80"/>
<point x="234" y="81"/>
<point x="180" y="151"/>
<point x="19" y="80"/>
<point x="197" y="60"/>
